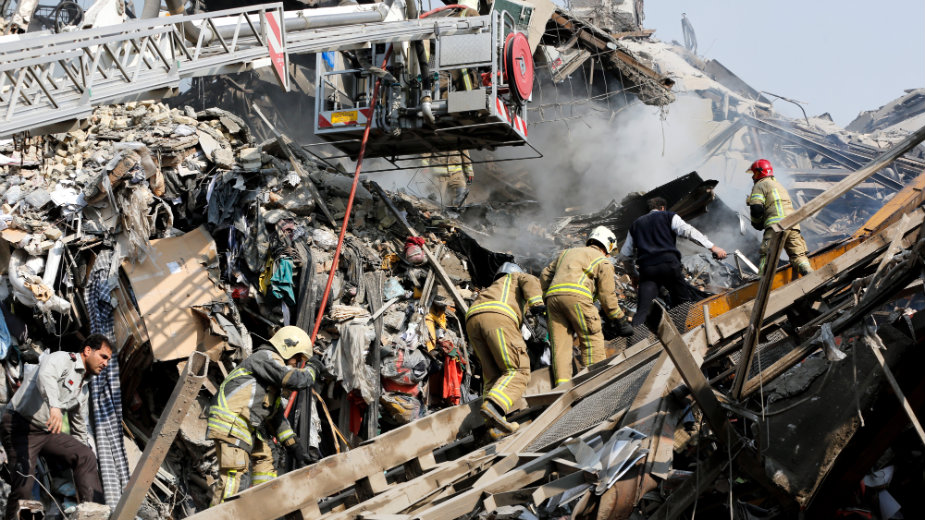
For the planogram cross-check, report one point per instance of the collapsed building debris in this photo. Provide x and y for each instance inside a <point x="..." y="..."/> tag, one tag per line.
<point x="189" y="236"/>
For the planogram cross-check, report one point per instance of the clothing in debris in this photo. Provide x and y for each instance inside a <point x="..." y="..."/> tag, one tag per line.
<point x="571" y="284"/>
<point x="493" y="324"/>
<point x="246" y="406"/>
<point x="58" y="383"/>
<point x="652" y="240"/>
<point x="106" y="389"/>
<point x="434" y="321"/>
<point x="769" y="203"/>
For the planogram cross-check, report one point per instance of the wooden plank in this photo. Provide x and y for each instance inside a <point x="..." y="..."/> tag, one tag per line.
<point x="734" y="322"/>
<point x="689" y="369"/>
<point x="402" y="496"/>
<point x="508" y="498"/>
<point x="295" y="490"/>
<point x="753" y="332"/>
<point x="561" y="485"/>
<point x="184" y="393"/>
<point x="467" y="501"/>
<point x="910" y="413"/>
<point x="882" y="161"/>
<point x="527" y="434"/>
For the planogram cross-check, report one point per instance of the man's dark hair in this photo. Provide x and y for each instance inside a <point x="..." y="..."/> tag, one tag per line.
<point x="657" y="203"/>
<point x="96" y="342"/>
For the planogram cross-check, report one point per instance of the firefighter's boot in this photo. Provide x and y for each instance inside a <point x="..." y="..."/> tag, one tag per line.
<point x="496" y="434"/>
<point x="495" y="417"/>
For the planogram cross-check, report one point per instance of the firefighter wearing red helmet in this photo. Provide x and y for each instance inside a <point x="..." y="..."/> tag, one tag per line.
<point x="769" y="203"/>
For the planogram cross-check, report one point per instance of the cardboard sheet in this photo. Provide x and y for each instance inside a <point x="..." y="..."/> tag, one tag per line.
<point x="167" y="284"/>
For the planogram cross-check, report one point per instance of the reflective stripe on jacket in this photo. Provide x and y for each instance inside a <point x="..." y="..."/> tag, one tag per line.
<point x="249" y="399"/>
<point x="583" y="271"/>
<point x="509" y="295"/>
<point x="775" y="199"/>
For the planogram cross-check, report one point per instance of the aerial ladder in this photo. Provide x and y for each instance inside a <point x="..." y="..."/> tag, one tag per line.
<point x="467" y="89"/>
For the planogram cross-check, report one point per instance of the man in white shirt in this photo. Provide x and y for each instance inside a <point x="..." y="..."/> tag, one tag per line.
<point x="652" y="241"/>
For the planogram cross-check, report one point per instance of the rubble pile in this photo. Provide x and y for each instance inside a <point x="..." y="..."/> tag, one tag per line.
<point x="220" y="239"/>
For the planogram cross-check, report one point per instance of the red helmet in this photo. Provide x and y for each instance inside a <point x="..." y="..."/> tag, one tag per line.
<point x="760" y="169"/>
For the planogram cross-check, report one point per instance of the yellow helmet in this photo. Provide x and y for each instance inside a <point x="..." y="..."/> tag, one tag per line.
<point x="291" y="340"/>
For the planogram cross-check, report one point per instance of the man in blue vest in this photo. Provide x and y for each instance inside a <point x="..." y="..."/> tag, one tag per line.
<point x="652" y="241"/>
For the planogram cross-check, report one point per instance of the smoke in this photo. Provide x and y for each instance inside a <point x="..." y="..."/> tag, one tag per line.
<point x="598" y="157"/>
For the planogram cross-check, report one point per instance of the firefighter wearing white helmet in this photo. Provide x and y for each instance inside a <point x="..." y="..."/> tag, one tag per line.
<point x="571" y="284"/>
<point x="493" y="326"/>
<point x="246" y="412"/>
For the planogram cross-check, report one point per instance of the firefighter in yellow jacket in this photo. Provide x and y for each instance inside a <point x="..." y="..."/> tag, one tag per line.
<point x="493" y="325"/>
<point x="247" y="409"/>
<point x="768" y="204"/>
<point x="571" y="284"/>
<point x="455" y="172"/>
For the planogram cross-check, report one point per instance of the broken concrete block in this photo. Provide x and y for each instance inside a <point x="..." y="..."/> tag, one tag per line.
<point x="38" y="199"/>
<point x="218" y="152"/>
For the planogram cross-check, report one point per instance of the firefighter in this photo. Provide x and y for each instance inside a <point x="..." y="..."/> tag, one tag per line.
<point x="456" y="174"/>
<point x="493" y="324"/>
<point x="768" y="204"/>
<point x="652" y="241"/>
<point x="247" y="409"/>
<point x="571" y="284"/>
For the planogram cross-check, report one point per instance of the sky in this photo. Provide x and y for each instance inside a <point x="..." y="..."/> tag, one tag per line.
<point x="840" y="57"/>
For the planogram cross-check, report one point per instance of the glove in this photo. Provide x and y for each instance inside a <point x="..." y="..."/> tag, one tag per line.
<point x="469" y="179"/>
<point x="538" y="310"/>
<point x="624" y="328"/>
<point x="758" y="225"/>
<point x="316" y="364"/>
<point x="298" y="455"/>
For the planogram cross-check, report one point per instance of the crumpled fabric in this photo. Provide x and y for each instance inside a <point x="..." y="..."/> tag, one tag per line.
<point x="281" y="285"/>
<point x="6" y="340"/>
<point x="346" y="360"/>
<point x="105" y="389"/>
<point x="452" y="381"/>
<point x="263" y="282"/>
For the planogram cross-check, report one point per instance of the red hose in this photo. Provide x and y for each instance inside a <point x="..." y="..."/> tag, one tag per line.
<point x="343" y="227"/>
<point x="444" y="8"/>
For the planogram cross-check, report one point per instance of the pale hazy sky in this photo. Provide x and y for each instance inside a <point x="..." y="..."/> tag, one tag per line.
<point x="840" y="57"/>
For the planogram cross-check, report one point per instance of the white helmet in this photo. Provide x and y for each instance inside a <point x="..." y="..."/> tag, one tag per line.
<point x="604" y="237"/>
<point x="291" y="340"/>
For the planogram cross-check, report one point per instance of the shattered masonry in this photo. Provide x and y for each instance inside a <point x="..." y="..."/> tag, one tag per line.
<point x="189" y="229"/>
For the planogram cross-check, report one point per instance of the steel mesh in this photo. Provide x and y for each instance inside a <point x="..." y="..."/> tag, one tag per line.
<point x="595" y="408"/>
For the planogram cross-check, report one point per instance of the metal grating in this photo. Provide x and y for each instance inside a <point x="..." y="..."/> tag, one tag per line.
<point x="595" y="408"/>
<point x="777" y="346"/>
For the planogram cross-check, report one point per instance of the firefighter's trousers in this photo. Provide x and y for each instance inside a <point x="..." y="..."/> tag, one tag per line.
<point x="239" y="469"/>
<point x="573" y="314"/>
<point x="498" y="343"/>
<point x="795" y="247"/>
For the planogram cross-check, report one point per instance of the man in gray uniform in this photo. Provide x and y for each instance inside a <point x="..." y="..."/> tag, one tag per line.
<point x="32" y="421"/>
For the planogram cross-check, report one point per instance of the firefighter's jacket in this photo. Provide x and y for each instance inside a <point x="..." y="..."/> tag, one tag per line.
<point x="509" y="295"/>
<point x="770" y="194"/>
<point x="584" y="271"/>
<point x="249" y="398"/>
